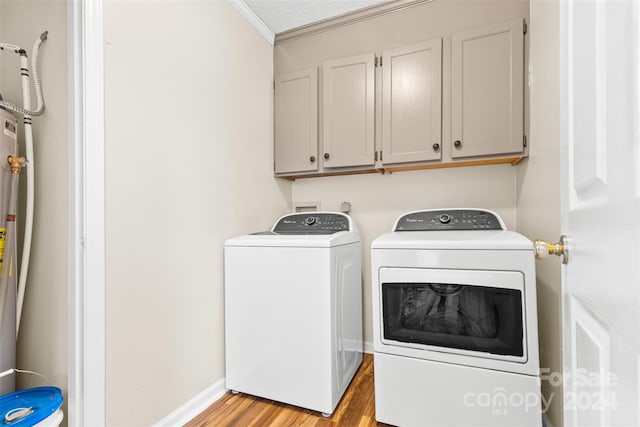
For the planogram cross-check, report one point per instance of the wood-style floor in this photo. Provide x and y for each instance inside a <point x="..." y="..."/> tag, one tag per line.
<point x="355" y="409"/>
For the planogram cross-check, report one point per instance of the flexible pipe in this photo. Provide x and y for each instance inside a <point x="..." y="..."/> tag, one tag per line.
<point x="30" y="162"/>
<point x="26" y="110"/>
<point x="28" y="223"/>
<point x="28" y="219"/>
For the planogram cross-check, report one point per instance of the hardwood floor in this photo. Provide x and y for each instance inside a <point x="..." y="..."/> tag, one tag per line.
<point x="355" y="409"/>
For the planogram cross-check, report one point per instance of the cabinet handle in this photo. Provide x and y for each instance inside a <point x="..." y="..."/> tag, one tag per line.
<point x="312" y="159"/>
<point x="436" y="147"/>
<point x="457" y="144"/>
<point x="326" y="156"/>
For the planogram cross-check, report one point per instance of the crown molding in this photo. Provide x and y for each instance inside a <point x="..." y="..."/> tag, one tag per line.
<point x="247" y="13"/>
<point x="347" y="19"/>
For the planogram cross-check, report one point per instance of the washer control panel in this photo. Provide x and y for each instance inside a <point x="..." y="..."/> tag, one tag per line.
<point x="312" y="223"/>
<point x="449" y="219"/>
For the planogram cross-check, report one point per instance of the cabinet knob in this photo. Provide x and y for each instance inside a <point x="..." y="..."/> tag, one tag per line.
<point x="436" y="147"/>
<point x="326" y="156"/>
<point x="312" y="159"/>
<point x="457" y="144"/>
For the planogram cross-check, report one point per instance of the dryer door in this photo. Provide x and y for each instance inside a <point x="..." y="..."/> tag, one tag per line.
<point x="472" y="313"/>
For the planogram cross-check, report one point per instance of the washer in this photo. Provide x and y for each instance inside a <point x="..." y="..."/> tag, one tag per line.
<point x="293" y="310"/>
<point x="454" y="322"/>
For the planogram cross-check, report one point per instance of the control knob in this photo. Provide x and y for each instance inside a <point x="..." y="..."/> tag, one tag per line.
<point x="445" y="218"/>
<point x="310" y="220"/>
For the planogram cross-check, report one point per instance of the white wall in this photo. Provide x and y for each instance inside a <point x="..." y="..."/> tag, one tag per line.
<point x="538" y="203"/>
<point x="189" y="125"/>
<point x="42" y="344"/>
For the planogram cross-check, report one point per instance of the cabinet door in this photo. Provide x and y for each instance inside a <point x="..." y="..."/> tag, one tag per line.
<point x="412" y="102"/>
<point x="348" y="111"/>
<point x="488" y="90"/>
<point x="296" y="122"/>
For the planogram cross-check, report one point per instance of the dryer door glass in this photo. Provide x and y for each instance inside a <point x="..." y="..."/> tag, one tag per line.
<point x="460" y="316"/>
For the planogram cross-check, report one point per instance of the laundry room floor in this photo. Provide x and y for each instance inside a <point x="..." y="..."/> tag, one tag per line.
<point x="355" y="409"/>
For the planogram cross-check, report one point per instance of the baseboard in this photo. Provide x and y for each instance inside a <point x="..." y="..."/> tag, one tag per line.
<point x="204" y="399"/>
<point x="194" y="406"/>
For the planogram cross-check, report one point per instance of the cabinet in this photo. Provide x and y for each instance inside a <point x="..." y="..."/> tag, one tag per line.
<point x="488" y="90"/>
<point x="296" y="122"/>
<point x="386" y="114"/>
<point x="348" y="86"/>
<point x="412" y="103"/>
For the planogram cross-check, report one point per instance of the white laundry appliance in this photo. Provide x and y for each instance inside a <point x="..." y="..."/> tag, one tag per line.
<point x="293" y="310"/>
<point x="455" y="328"/>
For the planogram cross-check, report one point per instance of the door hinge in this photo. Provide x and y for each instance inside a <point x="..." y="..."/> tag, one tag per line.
<point x="375" y="61"/>
<point x="375" y="156"/>
<point x="524" y="141"/>
<point x="524" y="27"/>
<point x="380" y="155"/>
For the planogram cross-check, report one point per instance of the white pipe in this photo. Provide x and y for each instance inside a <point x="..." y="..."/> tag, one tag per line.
<point x="28" y="222"/>
<point x="7" y="372"/>
<point x="8" y="46"/>
<point x="26" y="110"/>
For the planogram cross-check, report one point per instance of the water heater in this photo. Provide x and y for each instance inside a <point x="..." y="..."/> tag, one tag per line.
<point x="8" y="147"/>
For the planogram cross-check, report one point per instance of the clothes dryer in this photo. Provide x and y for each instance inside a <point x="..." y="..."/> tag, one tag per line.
<point x="293" y="310"/>
<point x="455" y="322"/>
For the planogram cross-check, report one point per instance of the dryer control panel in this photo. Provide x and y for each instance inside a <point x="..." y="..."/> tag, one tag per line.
<point x="312" y="223"/>
<point x="449" y="219"/>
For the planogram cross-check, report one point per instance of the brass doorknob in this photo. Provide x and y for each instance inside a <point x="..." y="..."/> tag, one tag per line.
<point x="544" y="249"/>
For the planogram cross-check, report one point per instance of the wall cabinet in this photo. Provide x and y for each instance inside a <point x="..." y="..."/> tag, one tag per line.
<point x="412" y="103"/>
<point x="296" y="122"/>
<point x="488" y="90"/>
<point x="348" y="86"/>
<point x="484" y="107"/>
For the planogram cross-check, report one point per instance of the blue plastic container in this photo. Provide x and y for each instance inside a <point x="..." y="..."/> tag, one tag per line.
<point x="43" y="401"/>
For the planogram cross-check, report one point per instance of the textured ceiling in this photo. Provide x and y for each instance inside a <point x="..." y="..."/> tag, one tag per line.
<point x="283" y="15"/>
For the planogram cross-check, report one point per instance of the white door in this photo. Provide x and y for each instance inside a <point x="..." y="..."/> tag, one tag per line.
<point x="600" y="47"/>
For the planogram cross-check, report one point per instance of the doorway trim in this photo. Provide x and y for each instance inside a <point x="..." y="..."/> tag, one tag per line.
<point x="86" y="318"/>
